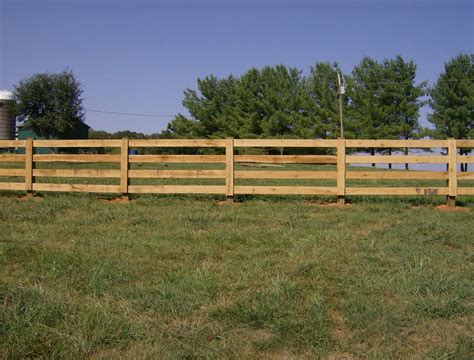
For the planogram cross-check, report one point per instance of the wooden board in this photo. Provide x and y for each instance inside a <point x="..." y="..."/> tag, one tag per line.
<point x="124" y="166"/>
<point x="396" y="143"/>
<point x="465" y="191"/>
<point x="78" y="173"/>
<point x="284" y="143"/>
<point x="12" y="186"/>
<point x="85" y="143"/>
<point x="465" y="175"/>
<point x="285" y="190"/>
<point x="176" y="189"/>
<point x="396" y="159"/>
<point x="341" y="167"/>
<point x="176" y="174"/>
<point x="396" y="191"/>
<point x="397" y="175"/>
<point x="453" y="168"/>
<point x="76" y="158"/>
<point x="177" y="159"/>
<point x="77" y="188"/>
<point x="465" y="159"/>
<point x="12" y="172"/>
<point x="12" y="143"/>
<point x="29" y="165"/>
<point x="465" y="143"/>
<point x="287" y="159"/>
<point x="229" y="167"/>
<point x="177" y="143"/>
<point x="12" y="158"/>
<point x="264" y="174"/>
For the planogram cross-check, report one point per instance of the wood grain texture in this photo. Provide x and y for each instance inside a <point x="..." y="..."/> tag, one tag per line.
<point x="285" y="190"/>
<point x="278" y="174"/>
<point x="287" y="159"/>
<point x="465" y="143"/>
<point x="177" y="159"/>
<point x="176" y="189"/>
<point x="396" y="191"/>
<point x="465" y="159"/>
<point x="12" y="186"/>
<point x="29" y="164"/>
<point x="124" y="166"/>
<point x="465" y="191"/>
<point x="341" y="167"/>
<point x="465" y="175"/>
<point x="396" y="143"/>
<point x="12" y="143"/>
<point x="176" y="174"/>
<point x="397" y="175"/>
<point x="229" y="167"/>
<point x="453" y="167"/>
<point x="77" y="173"/>
<point x="284" y="143"/>
<point x="177" y="143"/>
<point x="77" y="188"/>
<point x="396" y="159"/>
<point x="76" y="158"/>
<point x="12" y="172"/>
<point x="12" y="158"/>
<point x="83" y="143"/>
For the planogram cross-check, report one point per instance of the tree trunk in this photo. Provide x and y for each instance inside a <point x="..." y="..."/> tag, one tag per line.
<point x="406" y="164"/>
<point x="390" y="154"/>
<point x="372" y="152"/>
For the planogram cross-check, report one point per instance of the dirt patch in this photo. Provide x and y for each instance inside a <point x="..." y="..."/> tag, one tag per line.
<point x="261" y="335"/>
<point x="117" y="201"/>
<point x="451" y="208"/>
<point x="340" y="330"/>
<point x="341" y="356"/>
<point x="338" y="206"/>
<point x="228" y="203"/>
<point x="29" y="197"/>
<point x="328" y="204"/>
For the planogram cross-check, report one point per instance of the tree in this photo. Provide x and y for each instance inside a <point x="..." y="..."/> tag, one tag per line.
<point x="452" y="101"/>
<point x="270" y="102"/>
<point x="52" y="103"/>
<point x="386" y="100"/>
<point x="322" y="102"/>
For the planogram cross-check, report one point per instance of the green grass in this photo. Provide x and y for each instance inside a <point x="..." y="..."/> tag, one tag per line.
<point x="185" y="277"/>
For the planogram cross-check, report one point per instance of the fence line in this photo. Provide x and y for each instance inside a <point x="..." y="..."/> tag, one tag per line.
<point x="341" y="160"/>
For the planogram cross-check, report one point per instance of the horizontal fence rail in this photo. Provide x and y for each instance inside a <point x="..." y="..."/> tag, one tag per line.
<point x="337" y="155"/>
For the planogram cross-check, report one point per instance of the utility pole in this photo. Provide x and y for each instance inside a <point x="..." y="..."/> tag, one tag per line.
<point x="342" y="91"/>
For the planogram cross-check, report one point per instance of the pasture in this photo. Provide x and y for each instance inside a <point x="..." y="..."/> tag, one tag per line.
<point x="267" y="277"/>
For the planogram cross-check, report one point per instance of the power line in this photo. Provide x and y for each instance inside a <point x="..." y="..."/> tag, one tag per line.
<point x="127" y="114"/>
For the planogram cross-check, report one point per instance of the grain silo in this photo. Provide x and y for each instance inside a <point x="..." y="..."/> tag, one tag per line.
<point x="7" y="117"/>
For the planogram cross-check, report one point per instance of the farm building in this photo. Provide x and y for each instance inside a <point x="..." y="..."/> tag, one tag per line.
<point x="81" y="131"/>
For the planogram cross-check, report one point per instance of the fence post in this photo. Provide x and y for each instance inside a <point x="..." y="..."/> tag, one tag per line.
<point x="124" y="169"/>
<point x="341" y="171"/>
<point x="229" y="169"/>
<point x="452" y="173"/>
<point x="29" y="165"/>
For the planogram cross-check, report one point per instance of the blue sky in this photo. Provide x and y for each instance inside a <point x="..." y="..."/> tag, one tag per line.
<point x="139" y="56"/>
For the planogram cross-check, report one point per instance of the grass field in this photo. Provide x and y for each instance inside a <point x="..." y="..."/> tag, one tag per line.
<point x="187" y="277"/>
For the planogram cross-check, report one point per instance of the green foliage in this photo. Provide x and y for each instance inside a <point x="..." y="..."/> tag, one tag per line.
<point x="52" y="103"/>
<point x="385" y="99"/>
<point x="452" y="99"/>
<point x="381" y="101"/>
<point x="322" y="103"/>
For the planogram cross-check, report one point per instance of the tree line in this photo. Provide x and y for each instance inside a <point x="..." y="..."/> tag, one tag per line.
<point x="382" y="100"/>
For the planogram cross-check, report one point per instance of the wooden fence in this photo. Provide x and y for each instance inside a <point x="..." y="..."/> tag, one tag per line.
<point x="340" y="172"/>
